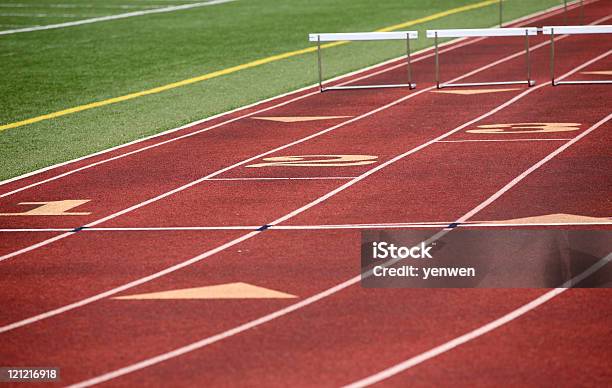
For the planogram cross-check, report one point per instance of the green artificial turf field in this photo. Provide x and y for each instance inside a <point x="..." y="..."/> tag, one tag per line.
<point x="52" y="70"/>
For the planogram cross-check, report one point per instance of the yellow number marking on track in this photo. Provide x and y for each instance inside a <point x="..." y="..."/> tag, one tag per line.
<point x="526" y="128"/>
<point x="317" y="161"/>
<point x="52" y="208"/>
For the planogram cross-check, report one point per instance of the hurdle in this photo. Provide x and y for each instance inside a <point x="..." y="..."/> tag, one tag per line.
<point x="572" y="30"/>
<point x="483" y="32"/>
<point x="365" y="36"/>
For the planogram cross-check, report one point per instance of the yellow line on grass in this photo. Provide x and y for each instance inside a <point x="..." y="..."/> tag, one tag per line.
<point x="234" y="69"/>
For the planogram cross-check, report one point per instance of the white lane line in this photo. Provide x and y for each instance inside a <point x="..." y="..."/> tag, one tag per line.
<point x="178" y="228"/>
<point x="498" y="140"/>
<point x="450" y="345"/>
<point x="116" y="17"/>
<point x="36" y="230"/>
<point x="451" y="45"/>
<point x="247" y="236"/>
<point x="310" y="300"/>
<point x="39" y="15"/>
<point x="282" y="178"/>
<point x="299" y="141"/>
<point x="399" y="225"/>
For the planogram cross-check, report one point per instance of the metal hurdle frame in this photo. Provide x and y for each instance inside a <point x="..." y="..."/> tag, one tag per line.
<point x="365" y="36"/>
<point x="483" y="32"/>
<point x="572" y="30"/>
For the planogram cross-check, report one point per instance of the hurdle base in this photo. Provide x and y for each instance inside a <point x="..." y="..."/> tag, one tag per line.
<point x="409" y="86"/>
<point x="592" y="82"/>
<point x="472" y="84"/>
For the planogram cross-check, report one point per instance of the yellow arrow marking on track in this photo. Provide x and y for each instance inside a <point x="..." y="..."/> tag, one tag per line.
<point x="317" y="161"/>
<point x="605" y="72"/>
<point x="473" y="91"/>
<point x="221" y="291"/>
<point x="525" y="128"/>
<point x="553" y="219"/>
<point x="52" y="208"/>
<point x="299" y="118"/>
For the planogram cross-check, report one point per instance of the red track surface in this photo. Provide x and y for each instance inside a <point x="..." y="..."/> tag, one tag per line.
<point x="346" y="335"/>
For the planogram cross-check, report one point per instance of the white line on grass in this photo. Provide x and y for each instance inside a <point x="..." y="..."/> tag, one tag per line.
<point x="38" y="15"/>
<point x="69" y="6"/>
<point x="16" y="25"/>
<point x="116" y="17"/>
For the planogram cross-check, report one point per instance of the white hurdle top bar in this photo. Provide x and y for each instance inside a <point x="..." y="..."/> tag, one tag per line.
<point x="570" y="30"/>
<point x="352" y="36"/>
<point x="482" y="32"/>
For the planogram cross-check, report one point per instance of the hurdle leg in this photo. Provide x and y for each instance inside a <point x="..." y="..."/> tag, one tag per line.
<point x="437" y="61"/>
<point x="582" y="12"/>
<point x="565" y="12"/>
<point x="501" y="14"/>
<point x="528" y="60"/>
<point x="411" y="85"/>
<point x="552" y="57"/>
<point x="319" y="63"/>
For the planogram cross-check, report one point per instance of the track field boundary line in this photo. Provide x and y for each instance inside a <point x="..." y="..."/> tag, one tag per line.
<point x="226" y="71"/>
<point x="462" y="42"/>
<point x="296" y="306"/>
<point x="299" y="141"/>
<point x="113" y="17"/>
<point x="532" y="17"/>
<point x="249" y="235"/>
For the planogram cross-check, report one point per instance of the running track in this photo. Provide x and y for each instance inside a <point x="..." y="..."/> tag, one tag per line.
<point x="59" y="285"/>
